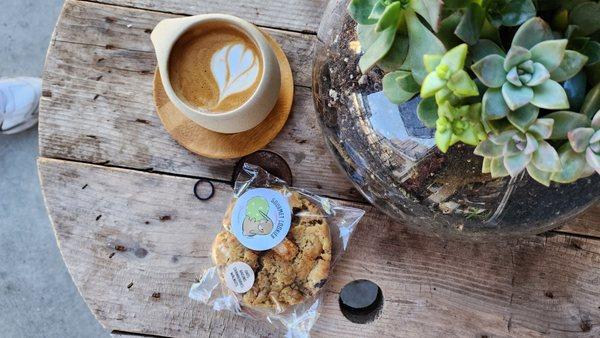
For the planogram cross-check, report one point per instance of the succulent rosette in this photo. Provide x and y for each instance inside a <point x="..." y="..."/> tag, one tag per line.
<point x="527" y="78"/>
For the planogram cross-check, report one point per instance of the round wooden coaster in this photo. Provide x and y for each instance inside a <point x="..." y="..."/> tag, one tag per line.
<point x="208" y="143"/>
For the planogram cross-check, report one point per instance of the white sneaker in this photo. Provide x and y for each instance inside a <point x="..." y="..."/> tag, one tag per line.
<point x="19" y="103"/>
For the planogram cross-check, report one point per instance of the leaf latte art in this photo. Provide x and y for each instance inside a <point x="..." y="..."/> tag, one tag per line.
<point x="235" y="68"/>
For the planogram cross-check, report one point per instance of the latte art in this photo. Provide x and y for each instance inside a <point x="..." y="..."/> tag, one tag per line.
<point x="235" y="68"/>
<point x="215" y="67"/>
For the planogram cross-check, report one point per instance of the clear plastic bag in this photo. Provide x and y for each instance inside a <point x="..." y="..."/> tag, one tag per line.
<point x="299" y="315"/>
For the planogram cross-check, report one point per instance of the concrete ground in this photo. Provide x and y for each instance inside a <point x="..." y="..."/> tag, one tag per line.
<point x="37" y="295"/>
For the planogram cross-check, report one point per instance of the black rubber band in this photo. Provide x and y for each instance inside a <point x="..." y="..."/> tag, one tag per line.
<point x="212" y="190"/>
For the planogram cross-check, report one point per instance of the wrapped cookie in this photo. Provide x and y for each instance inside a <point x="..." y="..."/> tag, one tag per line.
<point x="275" y="252"/>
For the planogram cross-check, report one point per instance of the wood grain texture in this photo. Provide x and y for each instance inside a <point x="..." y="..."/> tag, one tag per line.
<point x="97" y="103"/>
<point x="127" y="235"/>
<point x="296" y="15"/>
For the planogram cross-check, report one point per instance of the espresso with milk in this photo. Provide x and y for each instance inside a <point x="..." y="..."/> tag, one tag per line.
<point x="215" y="67"/>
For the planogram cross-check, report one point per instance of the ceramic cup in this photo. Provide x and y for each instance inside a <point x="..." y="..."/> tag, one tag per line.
<point x="166" y="34"/>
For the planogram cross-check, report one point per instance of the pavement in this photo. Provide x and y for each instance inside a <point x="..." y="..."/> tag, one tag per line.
<point x="37" y="296"/>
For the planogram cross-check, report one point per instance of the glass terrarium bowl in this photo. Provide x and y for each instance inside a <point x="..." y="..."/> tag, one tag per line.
<point x="391" y="156"/>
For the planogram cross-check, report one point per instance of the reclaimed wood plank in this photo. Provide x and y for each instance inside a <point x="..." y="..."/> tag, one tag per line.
<point x="127" y="235"/>
<point x="97" y="103"/>
<point x="296" y="15"/>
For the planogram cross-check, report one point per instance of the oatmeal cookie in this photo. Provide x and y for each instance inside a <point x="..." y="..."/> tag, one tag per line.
<point x="292" y="271"/>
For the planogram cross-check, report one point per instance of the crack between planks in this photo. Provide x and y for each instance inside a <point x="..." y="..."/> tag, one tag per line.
<point x="136" y="334"/>
<point x="99" y="2"/>
<point x="107" y="164"/>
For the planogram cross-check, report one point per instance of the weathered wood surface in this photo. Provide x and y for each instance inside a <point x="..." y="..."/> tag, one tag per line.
<point x="296" y="15"/>
<point x="97" y="103"/>
<point x="122" y="227"/>
<point x="118" y="228"/>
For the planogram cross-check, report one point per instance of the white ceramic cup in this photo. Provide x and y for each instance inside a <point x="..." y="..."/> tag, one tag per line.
<point x="252" y="112"/>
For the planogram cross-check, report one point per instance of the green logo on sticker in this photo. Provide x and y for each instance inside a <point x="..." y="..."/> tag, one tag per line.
<point x="257" y="221"/>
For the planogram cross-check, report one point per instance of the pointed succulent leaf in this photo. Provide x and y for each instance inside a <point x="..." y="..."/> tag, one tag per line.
<point x="573" y="166"/>
<point x="527" y="66"/>
<point x="484" y="48"/>
<point x="514" y="13"/>
<point x="455" y="58"/>
<point x="546" y="158"/>
<point x="485" y="167"/>
<point x="394" y="59"/>
<point x="494" y="106"/>
<point x="490" y="70"/>
<point x="549" y="53"/>
<point x="366" y="36"/>
<point x="407" y="82"/>
<point x="469" y="136"/>
<point x="377" y="50"/>
<point x="532" y="32"/>
<point x="389" y="17"/>
<point x="550" y="95"/>
<point x="596" y="120"/>
<point x="431" y="85"/>
<point x="503" y="137"/>
<point x="593" y="159"/>
<point x="532" y="144"/>
<point x="565" y="121"/>
<point x="516" y="55"/>
<point x="377" y="10"/>
<point x="516" y="97"/>
<point x="571" y="64"/>
<point x="471" y="22"/>
<point x="422" y="41"/>
<point x="580" y="138"/>
<point x="497" y="168"/>
<point x="392" y="89"/>
<point x="427" y="111"/>
<point x="586" y="15"/>
<point x="462" y="85"/>
<point x="511" y="148"/>
<point x="431" y="62"/>
<point x="591" y="104"/>
<point x="360" y="10"/>
<point x="542" y="177"/>
<point x="513" y="77"/>
<point x="443" y="139"/>
<point x="576" y="88"/>
<point x="516" y="163"/>
<point x="523" y="117"/>
<point x="525" y="78"/>
<point x="430" y="10"/>
<point x="489" y="149"/>
<point x="542" y="128"/>
<point x="539" y="75"/>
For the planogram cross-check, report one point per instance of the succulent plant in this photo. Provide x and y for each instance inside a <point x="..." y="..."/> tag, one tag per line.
<point x="512" y="151"/>
<point x="447" y="80"/>
<point x="393" y="38"/>
<point x="473" y="17"/>
<point x="458" y="124"/>
<point x="527" y="78"/>
<point x="588" y="140"/>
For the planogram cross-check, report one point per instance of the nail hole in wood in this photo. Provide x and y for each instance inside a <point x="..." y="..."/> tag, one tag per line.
<point x="361" y="301"/>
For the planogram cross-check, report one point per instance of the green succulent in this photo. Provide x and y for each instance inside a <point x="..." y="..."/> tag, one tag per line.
<point x="526" y="79"/>
<point x="257" y="208"/>
<point x="472" y="19"/>
<point x="588" y="140"/>
<point x="512" y="151"/>
<point x="393" y="38"/>
<point x="458" y="124"/>
<point x="447" y="80"/>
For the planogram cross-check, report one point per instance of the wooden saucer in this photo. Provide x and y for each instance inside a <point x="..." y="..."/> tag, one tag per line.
<point x="211" y="144"/>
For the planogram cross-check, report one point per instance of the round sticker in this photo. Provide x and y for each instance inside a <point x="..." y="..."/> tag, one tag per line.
<point x="239" y="277"/>
<point x="261" y="219"/>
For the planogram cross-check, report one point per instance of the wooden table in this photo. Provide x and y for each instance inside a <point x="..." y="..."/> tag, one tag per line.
<point x="134" y="237"/>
